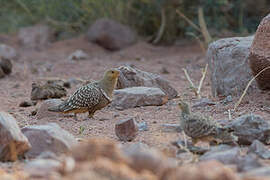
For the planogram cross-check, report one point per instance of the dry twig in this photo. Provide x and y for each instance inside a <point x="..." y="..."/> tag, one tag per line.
<point x="202" y="79"/>
<point x="205" y="33"/>
<point x="245" y="91"/>
<point x="193" y="87"/>
<point x="162" y="27"/>
<point x="188" y="20"/>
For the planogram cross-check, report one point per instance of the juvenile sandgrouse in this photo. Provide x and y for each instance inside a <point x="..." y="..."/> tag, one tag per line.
<point x="203" y="128"/>
<point x="90" y="97"/>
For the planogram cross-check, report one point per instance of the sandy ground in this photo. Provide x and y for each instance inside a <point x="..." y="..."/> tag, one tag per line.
<point x="52" y="61"/>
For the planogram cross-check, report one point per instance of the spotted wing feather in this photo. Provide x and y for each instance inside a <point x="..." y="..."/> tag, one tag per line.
<point x="197" y="126"/>
<point x="85" y="97"/>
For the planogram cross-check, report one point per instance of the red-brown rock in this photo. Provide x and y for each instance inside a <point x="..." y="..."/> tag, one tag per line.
<point x="126" y="130"/>
<point x="12" y="141"/>
<point x="259" y="57"/>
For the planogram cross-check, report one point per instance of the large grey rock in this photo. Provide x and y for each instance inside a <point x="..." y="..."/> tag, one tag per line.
<point x="111" y="34"/>
<point x="12" y="141"/>
<point x="229" y="66"/>
<point x="223" y="153"/>
<point x="48" y="137"/>
<point x="7" y="52"/>
<point x="43" y="109"/>
<point x="138" y="96"/>
<point x="132" y="77"/>
<point x="35" y="37"/>
<point x="260" y="149"/>
<point x="249" y="128"/>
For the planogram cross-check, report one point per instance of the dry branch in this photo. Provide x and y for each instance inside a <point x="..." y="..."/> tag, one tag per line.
<point x="188" y="20"/>
<point x="245" y="91"/>
<point x="205" y="33"/>
<point x="203" y="77"/>
<point x="199" y="41"/>
<point x="162" y="27"/>
<point x="191" y="83"/>
<point x="195" y="89"/>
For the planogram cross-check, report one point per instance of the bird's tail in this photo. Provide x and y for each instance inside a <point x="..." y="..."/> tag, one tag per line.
<point x="59" y="108"/>
<point x="227" y="136"/>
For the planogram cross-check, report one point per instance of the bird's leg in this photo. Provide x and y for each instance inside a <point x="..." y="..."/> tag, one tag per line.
<point x="194" y="141"/>
<point x="91" y="114"/>
<point x="75" y="116"/>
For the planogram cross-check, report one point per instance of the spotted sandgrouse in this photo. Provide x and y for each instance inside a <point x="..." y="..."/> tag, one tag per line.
<point x="203" y="128"/>
<point x="90" y="97"/>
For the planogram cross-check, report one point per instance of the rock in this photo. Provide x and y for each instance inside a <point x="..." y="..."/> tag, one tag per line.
<point x="48" y="137"/>
<point x="203" y="102"/>
<point x="145" y="158"/>
<point x="258" y="172"/>
<point x="228" y="63"/>
<point x="174" y="128"/>
<point x="6" y="65"/>
<point x="126" y="130"/>
<point x="2" y="74"/>
<point x="78" y="55"/>
<point x="42" y="167"/>
<point x="138" y="96"/>
<point x="249" y="128"/>
<point x="43" y="112"/>
<point x="35" y="37"/>
<point x="209" y="170"/>
<point x="110" y="34"/>
<point x="248" y="162"/>
<point x="222" y="153"/>
<point x="7" y="52"/>
<point x="142" y="126"/>
<point x="227" y="100"/>
<point x="164" y="70"/>
<point x="47" y="91"/>
<point x="27" y="103"/>
<point x="133" y="77"/>
<point x="12" y="142"/>
<point x="259" y="57"/>
<point x="260" y="149"/>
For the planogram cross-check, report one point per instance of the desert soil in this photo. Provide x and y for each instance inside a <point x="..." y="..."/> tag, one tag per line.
<point x="52" y="62"/>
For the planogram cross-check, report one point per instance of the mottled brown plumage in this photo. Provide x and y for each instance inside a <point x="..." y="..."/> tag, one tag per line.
<point x="203" y="128"/>
<point x="90" y="97"/>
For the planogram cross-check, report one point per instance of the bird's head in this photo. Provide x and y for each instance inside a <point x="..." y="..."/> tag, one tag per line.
<point x="111" y="74"/>
<point x="184" y="106"/>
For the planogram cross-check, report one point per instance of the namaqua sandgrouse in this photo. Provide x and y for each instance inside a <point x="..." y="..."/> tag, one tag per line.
<point x="90" y="97"/>
<point x="203" y="128"/>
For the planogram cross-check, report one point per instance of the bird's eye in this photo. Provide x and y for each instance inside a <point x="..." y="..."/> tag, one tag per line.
<point x="112" y="72"/>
